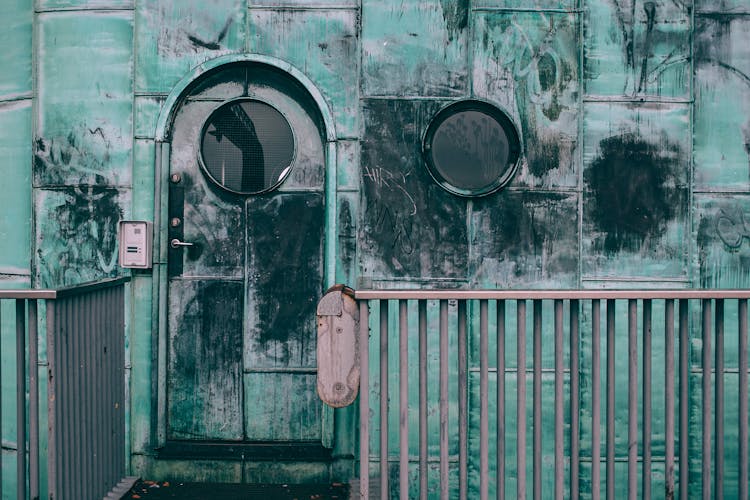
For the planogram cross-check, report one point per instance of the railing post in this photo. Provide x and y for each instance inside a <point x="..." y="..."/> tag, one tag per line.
<point x="574" y="400"/>
<point x="483" y="401"/>
<point x="669" y="399"/>
<point x="610" y="399"/>
<point x="743" y="407"/>
<point x="632" y="398"/>
<point x="443" y="388"/>
<point x="364" y="400"/>
<point x="646" y="472"/>
<point x="683" y="399"/>
<point x="1" y="394"/>
<point x="719" y="395"/>
<point x="521" y="396"/>
<point x="384" y="470"/>
<point x="706" y="421"/>
<point x="21" y="398"/>
<point x="463" y="423"/>
<point x="500" y="475"/>
<point x="33" y="401"/>
<point x="559" y="400"/>
<point x="422" y="305"/>
<point x="596" y="399"/>
<point x="403" y="407"/>
<point x="537" y="401"/>
<point x="52" y="393"/>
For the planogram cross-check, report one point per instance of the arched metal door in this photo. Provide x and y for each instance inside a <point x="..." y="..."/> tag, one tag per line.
<point x="246" y="260"/>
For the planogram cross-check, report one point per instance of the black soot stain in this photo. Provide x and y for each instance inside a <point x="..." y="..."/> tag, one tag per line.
<point x="543" y="156"/>
<point x="456" y="16"/>
<point x="217" y="309"/>
<point x="634" y="188"/>
<point x="285" y="247"/>
<point x="347" y="235"/>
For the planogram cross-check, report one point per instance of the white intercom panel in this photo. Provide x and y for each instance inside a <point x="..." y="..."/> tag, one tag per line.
<point x="136" y="242"/>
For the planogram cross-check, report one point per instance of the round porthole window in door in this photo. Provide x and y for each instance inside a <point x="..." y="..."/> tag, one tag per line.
<point x="472" y="148"/>
<point x="247" y="147"/>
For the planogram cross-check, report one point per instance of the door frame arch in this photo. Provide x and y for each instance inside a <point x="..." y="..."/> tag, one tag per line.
<point x="162" y="146"/>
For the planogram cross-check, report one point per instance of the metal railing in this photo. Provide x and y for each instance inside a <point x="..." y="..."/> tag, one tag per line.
<point x="670" y="434"/>
<point x="82" y="350"/>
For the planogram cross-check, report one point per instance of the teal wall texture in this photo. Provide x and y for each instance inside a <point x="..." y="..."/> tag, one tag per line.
<point x="635" y="169"/>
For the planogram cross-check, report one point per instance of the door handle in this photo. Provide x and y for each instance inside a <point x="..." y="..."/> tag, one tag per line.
<point x="175" y="243"/>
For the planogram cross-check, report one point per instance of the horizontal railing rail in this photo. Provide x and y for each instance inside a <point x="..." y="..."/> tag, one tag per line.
<point x="673" y="430"/>
<point x="83" y="342"/>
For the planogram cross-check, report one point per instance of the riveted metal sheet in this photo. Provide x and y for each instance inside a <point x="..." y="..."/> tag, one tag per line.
<point x="84" y="125"/>
<point x="15" y="38"/>
<point x="635" y="193"/>
<point x="348" y="214"/>
<point x="411" y="227"/>
<point x="525" y="240"/>
<point x="415" y="48"/>
<point x="85" y="4"/>
<point x="174" y="37"/>
<point x="723" y="241"/>
<point x="521" y="5"/>
<point x="76" y="233"/>
<point x="15" y="216"/>
<point x="722" y="102"/>
<point x="323" y="44"/>
<point x="528" y="63"/>
<point x="205" y="360"/>
<point x="146" y="114"/>
<point x="637" y="48"/>
<point x="143" y="180"/>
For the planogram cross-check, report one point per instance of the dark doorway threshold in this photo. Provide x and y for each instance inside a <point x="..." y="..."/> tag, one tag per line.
<point x="158" y="490"/>
<point x="227" y="450"/>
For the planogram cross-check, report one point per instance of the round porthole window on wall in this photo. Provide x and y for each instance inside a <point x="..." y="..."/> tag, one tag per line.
<point x="471" y="148"/>
<point x="247" y="146"/>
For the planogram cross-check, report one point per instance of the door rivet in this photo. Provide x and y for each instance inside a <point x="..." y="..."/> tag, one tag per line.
<point x="176" y="178"/>
<point x="175" y="221"/>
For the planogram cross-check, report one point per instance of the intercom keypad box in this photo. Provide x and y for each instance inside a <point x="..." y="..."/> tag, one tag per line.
<point x="136" y="239"/>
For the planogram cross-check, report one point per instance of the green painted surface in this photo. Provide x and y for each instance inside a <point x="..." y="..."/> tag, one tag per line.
<point x="15" y="38"/>
<point x="527" y="62"/>
<point x="641" y="152"/>
<point x="15" y="191"/>
<point x="141" y="360"/>
<point x="633" y="117"/>
<point x="414" y="48"/>
<point x="173" y="37"/>
<point x="637" y="48"/>
<point x="520" y="4"/>
<point x="84" y="4"/>
<point x="143" y="180"/>
<point x="721" y="125"/>
<point x="84" y="126"/>
<point x="323" y="45"/>
<point x="147" y="111"/>
<point x="76" y="234"/>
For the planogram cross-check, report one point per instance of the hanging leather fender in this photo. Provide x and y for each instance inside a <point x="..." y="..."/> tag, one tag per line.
<point x="338" y="347"/>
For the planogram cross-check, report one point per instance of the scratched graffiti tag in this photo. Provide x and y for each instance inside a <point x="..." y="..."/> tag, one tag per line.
<point x="395" y="216"/>
<point x="732" y="228"/>
<point x="384" y="178"/>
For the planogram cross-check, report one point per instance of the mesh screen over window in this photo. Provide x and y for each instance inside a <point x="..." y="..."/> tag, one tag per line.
<point x="247" y="146"/>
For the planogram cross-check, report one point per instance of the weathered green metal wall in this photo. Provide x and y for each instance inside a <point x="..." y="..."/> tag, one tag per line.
<point x="635" y="172"/>
<point x="15" y="213"/>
